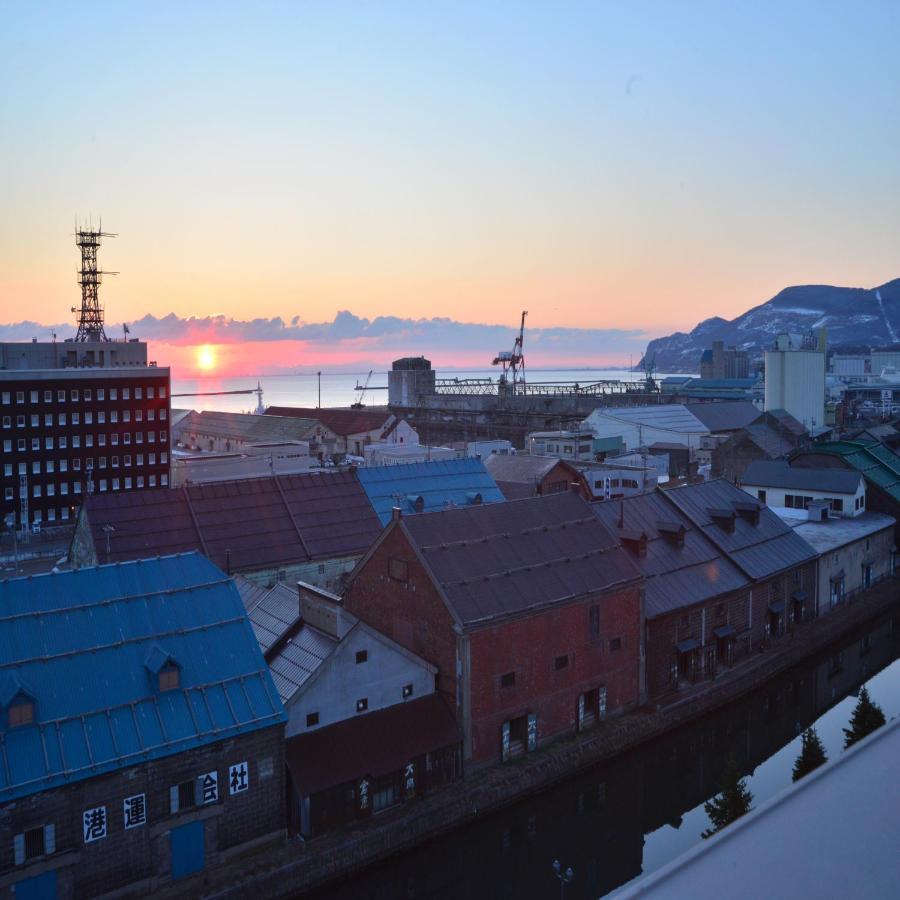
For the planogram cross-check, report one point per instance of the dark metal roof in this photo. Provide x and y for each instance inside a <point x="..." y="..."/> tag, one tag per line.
<point x="516" y="490"/>
<point x="677" y="576"/>
<point x="778" y="473"/>
<point x="84" y="645"/>
<point x="374" y="744"/>
<point x="727" y="415"/>
<point x="505" y="559"/>
<point x="340" y="421"/>
<point x="246" y="427"/>
<point x="523" y="469"/>
<point x="760" y="550"/>
<point x="264" y="522"/>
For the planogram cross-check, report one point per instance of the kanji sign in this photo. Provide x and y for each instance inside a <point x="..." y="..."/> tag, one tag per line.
<point x="238" y="779"/>
<point x="94" y="824"/>
<point x="209" y="784"/>
<point x="409" y="779"/>
<point x="364" y="794"/>
<point x="134" y="811"/>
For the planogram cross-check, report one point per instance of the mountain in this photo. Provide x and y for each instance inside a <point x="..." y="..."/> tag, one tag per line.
<point x="854" y="317"/>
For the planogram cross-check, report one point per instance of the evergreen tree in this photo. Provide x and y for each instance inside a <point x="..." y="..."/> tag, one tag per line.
<point x="731" y="804"/>
<point x="812" y="754"/>
<point x="867" y="716"/>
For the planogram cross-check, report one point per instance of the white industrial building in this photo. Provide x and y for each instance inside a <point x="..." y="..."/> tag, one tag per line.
<point x="795" y="379"/>
<point x="641" y="426"/>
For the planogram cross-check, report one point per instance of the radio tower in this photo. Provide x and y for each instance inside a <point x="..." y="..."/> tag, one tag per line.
<point x="90" y="316"/>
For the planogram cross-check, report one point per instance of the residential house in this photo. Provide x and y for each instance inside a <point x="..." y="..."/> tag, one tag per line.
<point x="365" y="728"/>
<point x="227" y="432"/>
<point x="142" y="735"/>
<point x="531" y="476"/>
<point x="568" y="445"/>
<point x="530" y="610"/>
<point x="281" y="528"/>
<point x="640" y="426"/>
<point x="779" y="484"/>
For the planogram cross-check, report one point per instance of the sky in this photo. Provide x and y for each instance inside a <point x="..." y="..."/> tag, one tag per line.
<point x="628" y="169"/>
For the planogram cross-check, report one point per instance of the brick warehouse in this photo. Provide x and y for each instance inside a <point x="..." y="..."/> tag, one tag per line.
<point x="143" y="741"/>
<point x="67" y="432"/>
<point x="530" y="609"/>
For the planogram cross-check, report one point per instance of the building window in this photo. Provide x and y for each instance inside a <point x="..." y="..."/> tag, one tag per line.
<point x="182" y="796"/>
<point x="508" y="679"/>
<point x="88" y="394"/>
<point x="362" y="705"/>
<point x="615" y="644"/>
<point x="73" y="394"/>
<point x="312" y="719"/>
<point x="594" y="618"/>
<point x="48" y="395"/>
<point x="169" y="679"/>
<point x="34" y="843"/>
<point x="61" y="396"/>
<point x="761" y="495"/>
<point x="398" y="570"/>
<point x="561" y="662"/>
<point x="407" y="691"/>
<point x="362" y="656"/>
<point x="21" y="713"/>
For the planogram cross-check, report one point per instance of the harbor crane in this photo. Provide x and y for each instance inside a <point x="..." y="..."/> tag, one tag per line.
<point x="513" y="362"/>
<point x="362" y="392"/>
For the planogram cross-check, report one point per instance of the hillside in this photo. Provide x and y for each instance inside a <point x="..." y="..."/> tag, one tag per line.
<point x="854" y="317"/>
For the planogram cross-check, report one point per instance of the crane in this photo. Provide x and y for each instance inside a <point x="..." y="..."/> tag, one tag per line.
<point x="513" y="362"/>
<point x="362" y="392"/>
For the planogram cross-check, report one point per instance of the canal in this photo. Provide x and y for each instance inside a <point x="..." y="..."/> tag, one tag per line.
<point x="627" y="817"/>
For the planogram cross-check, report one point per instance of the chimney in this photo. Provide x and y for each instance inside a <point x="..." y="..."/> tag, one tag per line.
<point x="228" y="562"/>
<point x="396" y="514"/>
<point x="320" y="609"/>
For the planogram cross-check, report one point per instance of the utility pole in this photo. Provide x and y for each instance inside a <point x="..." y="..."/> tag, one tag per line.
<point x="108" y="530"/>
<point x="320" y="390"/>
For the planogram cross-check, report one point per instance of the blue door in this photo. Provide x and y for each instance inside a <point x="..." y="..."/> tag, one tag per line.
<point x="188" y="853"/>
<point x="41" y="887"/>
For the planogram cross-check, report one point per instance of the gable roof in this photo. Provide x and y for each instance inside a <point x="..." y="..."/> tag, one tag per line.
<point x="263" y="522"/>
<point x="728" y="415"/>
<point x="341" y="421"/>
<point x="438" y="483"/>
<point x="779" y="473"/>
<point x="675" y="417"/>
<point x="80" y="642"/>
<point x="506" y="559"/>
<point x="875" y="462"/>
<point x="677" y="576"/>
<point x="523" y="469"/>
<point x="247" y="427"/>
<point x="760" y="550"/>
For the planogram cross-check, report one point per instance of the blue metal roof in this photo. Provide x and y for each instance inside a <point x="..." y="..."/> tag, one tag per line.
<point x="440" y="484"/>
<point x="84" y="645"/>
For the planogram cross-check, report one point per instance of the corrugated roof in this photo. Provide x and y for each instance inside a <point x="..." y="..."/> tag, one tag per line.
<point x="506" y="559"/>
<point x="264" y="522"/>
<point x="82" y="644"/>
<point x="438" y="483"/>
<point x="759" y="550"/>
<point x="374" y="744"/>
<point x="247" y="427"/>
<point x="674" y="417"/>
<point x="779" y="473"/>
<point x="273" y="611"/>
<point x="341" y="421"/>
<point x="524" y="469"/>
<point x="677" y="576"/>
<point x="725" y="415"/>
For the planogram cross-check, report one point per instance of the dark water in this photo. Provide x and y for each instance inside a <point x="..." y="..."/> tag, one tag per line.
<point x="630" y="816"/>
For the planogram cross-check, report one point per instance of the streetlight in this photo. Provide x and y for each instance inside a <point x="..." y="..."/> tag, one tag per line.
<point x="10" y="521"/>
<point x="564" y="877"/>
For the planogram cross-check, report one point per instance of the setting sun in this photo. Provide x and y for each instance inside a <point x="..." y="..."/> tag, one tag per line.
<point x="206" y="358"/>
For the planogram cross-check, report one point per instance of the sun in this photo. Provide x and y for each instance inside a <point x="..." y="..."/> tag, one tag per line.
<point x="206" y="358"/>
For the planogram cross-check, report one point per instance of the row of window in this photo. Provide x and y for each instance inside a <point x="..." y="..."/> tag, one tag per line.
<point x="114" y="484"/>
<point x="312" y="719"/>
<point x="62" y="441"/>
<point x="52" y="466"/>
<point x="508" y="679"/>
<point x="86" y="394"/>
<point x="75" y="418"/>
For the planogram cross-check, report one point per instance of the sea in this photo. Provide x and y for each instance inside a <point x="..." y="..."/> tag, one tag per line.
<point x="340" y="389"/>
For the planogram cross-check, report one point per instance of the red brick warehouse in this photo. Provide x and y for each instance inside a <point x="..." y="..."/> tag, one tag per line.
<point x="531" y="611"/>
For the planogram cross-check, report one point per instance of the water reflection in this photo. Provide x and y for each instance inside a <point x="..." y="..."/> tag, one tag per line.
<point x="630" y="816"/>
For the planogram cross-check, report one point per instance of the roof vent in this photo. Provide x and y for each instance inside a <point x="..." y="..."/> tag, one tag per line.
<point x="634" y="541"/>
<point x="673" y="532"/>
<point x="416" y="502"/>
<point x="724" y="518"/>
<point x="474" y="498"/>
<point x="747" y="510"/>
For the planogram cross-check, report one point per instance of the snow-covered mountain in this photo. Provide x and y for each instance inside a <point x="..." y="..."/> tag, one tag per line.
<point x="854" y="317"/>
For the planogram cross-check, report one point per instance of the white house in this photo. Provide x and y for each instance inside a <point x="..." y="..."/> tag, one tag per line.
<point x="641" y="426"/>
<point x="781" y="485"/>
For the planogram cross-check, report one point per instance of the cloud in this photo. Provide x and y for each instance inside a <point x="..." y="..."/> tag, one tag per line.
<point x="383" y="335"/>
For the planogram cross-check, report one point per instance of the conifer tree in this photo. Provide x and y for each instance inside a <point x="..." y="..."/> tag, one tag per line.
<point x="812" y="754"/>
<point x="731" y="803"/>
<point x="867" y="716"/>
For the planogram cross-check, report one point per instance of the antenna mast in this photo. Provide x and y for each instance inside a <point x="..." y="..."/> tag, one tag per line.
<point x="90" y="316"/>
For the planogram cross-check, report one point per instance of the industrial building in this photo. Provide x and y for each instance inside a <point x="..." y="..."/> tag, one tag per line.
<point x="531" y="476"/>
<point x="724" y="362"/>
<point x="795" y="378"/>
<point x="142" y="735"/>
<point x="640" y="426"/>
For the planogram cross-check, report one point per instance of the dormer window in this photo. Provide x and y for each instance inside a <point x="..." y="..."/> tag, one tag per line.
<point x="169" y="678"/>
<point x="21" y="712"/>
